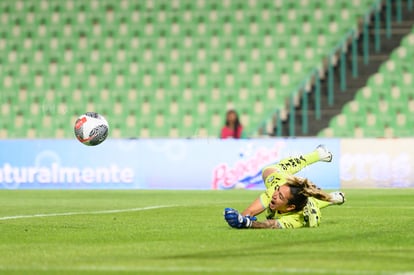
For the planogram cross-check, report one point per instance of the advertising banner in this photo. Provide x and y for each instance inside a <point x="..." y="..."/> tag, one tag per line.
<point x="154" y="163"/>
<point x="375" y="163"/>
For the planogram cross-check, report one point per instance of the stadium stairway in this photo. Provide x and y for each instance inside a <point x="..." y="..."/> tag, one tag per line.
<point x="399" y="30"/>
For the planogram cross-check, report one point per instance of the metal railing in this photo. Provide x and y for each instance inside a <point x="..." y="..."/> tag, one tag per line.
<point x="337" y="54"/>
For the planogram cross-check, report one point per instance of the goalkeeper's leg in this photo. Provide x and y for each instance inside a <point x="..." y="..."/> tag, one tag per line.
<point x="292" y="165"/>
<point x="337" y="198"/>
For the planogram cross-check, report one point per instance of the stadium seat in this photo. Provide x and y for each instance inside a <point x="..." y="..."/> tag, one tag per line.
<point x="96" y="52"/>
<point x="386" y="102"/>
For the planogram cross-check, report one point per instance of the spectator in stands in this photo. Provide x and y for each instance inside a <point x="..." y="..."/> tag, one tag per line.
<point x="232" y="127"/>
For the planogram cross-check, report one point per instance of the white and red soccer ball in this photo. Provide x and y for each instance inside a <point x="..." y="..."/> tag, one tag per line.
<point x="91" y="128"/>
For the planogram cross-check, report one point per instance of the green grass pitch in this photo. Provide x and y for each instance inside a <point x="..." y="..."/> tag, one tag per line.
<point x="176" y="232"/>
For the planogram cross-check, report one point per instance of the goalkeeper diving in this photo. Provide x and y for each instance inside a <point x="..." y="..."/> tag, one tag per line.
<point x="289" y="201"/>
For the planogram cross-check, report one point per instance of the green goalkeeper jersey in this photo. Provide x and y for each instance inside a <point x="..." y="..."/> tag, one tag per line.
<point x="308" y="217"/>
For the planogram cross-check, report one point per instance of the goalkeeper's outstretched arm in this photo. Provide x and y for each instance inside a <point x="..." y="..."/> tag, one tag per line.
<point x="254" y="209"/>
<point x="267" y="224"/>
<point x="237" y="220"/>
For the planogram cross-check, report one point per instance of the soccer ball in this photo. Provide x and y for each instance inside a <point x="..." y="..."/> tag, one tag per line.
<point x="91" y="128"/>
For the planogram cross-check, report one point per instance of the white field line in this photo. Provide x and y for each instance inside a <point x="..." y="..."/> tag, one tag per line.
<point x="379" y="207"/>
<point x="278" y="270"/>
<point x="204" y="269"/>
<point x="42" y="215"/>
<point x="97" y="212"/>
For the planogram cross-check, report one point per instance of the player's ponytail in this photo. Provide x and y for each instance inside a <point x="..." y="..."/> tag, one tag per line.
<point x="301" y="189"/>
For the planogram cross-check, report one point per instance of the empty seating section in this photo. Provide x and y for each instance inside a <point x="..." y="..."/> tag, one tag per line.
<point x="385" y="106"/>
<point x="160" y="67"/>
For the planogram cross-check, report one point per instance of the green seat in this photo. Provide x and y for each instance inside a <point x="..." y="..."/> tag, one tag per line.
<point x="341" y="126"/>
<point x="216" y="49"/>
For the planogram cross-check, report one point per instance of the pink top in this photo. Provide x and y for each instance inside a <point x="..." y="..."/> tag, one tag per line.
<point x="227" y="132"/>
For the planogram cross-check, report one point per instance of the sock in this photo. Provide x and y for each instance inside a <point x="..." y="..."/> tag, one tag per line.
<point x="292" y="165"/>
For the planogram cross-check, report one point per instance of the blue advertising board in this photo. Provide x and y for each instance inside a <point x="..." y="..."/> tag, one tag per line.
<point x="155" y="163"/>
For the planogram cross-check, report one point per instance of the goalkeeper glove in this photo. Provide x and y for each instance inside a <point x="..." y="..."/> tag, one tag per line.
<point x="237" y="220"/>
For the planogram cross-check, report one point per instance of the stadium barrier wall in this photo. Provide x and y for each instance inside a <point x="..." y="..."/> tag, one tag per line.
<point x="198" y="163"/>
<point x="377" y="163"/>
<point x="154" y="163"/>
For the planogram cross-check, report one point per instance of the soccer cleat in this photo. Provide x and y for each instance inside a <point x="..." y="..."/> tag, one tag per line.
<point x="337" y="197"/>
<point x="324" y="154"/>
